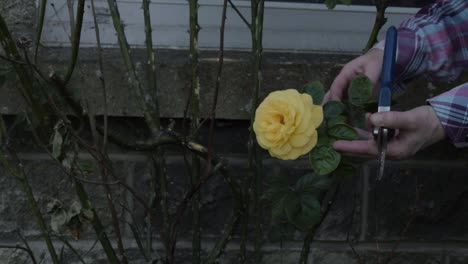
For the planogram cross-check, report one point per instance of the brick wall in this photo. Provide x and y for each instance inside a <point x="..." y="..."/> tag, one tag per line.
<point x="416" y="214"/>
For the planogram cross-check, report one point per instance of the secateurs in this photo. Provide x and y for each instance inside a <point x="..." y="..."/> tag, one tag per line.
<point x="384" y="134"/>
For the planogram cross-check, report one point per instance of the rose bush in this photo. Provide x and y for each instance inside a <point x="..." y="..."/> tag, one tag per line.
<point x="286" y="124"/>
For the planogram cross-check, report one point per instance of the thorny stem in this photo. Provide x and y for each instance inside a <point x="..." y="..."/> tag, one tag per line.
<point x="103" y="169"/>
<point x="380" y="20"/>
<point x="26" y="88"/>
<point x="23" y="179"/>
<point x="96" y="222"/>
<point x="255" y="180"/>
<point x="195" y="122"/>
<point x="148" y="104"/>
<point x="101" y="75"/>
<point x="76" y="38"/>
<point x="40" y="27"/>
<point x="242" y="17"/>
<point x="326" y="202"/>
<point x="158" y="155"/>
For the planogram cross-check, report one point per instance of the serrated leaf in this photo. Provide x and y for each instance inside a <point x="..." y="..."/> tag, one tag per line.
<point x="360" y="90"/>
<point x="275" y="193"/>
<point x="324" y="160"/>
<point x="330" y="3"/>
<point x="292" y="206"/>
<point x="333" y="109"/>
<point x="343" y="131"/>
<point x="315" y="89"/>
<point x="57" y="142"/>
<point x="346" y="2"/>
<point x="309" y="213"/>
<point x="311" y="183"/>
<point x="335" y="120"/>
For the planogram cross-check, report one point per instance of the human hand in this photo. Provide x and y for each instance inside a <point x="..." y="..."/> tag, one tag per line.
<point x="369" y="64"/>
<point x="416" y="129"/>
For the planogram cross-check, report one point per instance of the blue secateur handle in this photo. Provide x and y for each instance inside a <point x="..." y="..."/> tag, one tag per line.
<point x="388" y="68"/>
<point x="384" y="134"/>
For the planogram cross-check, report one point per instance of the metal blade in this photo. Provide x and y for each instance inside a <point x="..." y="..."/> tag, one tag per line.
<point x="383" y="137"/>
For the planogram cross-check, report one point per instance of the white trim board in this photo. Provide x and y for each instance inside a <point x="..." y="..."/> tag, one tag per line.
<point x="287" y="26"/>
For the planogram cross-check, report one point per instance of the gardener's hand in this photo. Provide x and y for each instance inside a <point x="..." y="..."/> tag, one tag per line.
<point x="369" y="64"/>
<point x="416" y="129"/>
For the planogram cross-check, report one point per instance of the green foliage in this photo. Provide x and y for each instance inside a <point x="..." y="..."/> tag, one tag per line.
<point x="298" y="205"/>
<point x="324" y="160"/>
<point x="315" y="89"/>
<point x="333" y="109"/>
<point x="360" y="91"/>
<point x="336" y="120"/>
<point x="343" y="131"/>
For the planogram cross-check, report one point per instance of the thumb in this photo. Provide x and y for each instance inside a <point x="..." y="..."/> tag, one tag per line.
<point x="393" y="119"/>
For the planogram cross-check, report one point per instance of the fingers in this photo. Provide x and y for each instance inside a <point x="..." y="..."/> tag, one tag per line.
<point x="340" y="83"/>
<point x="364" y="147"/>
<point x="393" y="119"/>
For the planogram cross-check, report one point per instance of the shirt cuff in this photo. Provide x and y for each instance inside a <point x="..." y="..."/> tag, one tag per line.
<point x="451" y="108"/>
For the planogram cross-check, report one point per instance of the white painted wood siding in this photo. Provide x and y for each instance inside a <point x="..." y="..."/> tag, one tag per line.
<point x="288" y="26"/>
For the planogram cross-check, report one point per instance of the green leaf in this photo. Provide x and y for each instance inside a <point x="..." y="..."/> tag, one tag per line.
<point x="343" y="131"/>
<point x="308" y="214"/>
<point x="324" y="160"/>
<point x="360" y="90"/>
<point x="346" y="2"/>
<point x="333" y="109"/>
<point x="336" y="120"/>
<point x="292" y="206"/>
<point x="315" y="89"/>
<point x="311" y="183"/>
<point x="86" y="166"/>
<point x="275" y="193"/>
<point x="278" y="208"/>
<point x="330" y="3"/>
<point x="323" y="140"/>
<point x="346" y="170"/>
<point x="57" y="142"/>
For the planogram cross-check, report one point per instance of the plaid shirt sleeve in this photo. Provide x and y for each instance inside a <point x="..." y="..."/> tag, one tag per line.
<point x="434" y="44"/>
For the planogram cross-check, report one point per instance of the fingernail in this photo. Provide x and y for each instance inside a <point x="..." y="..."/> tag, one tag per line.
<point x="376" y="119"/>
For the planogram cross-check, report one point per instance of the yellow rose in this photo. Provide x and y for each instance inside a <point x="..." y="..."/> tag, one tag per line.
<point x="286" y="122"/>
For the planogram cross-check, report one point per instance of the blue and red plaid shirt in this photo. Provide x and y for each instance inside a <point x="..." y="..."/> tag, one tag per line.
<point x="434" y="44"/>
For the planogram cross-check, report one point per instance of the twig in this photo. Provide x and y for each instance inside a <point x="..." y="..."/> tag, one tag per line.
<point x="76" y="39"/>
<point x="30" y="253"/>
<point x="255" y="162"/>
<point x="101" y="75"/>
<point x="240" y="15"/>
<point x="148" y="104"/>
<point x="26" y="88"/>
<point x="64" y="241"/>
<point x="380" y="20"/>
<point x="39" y="29"/>
<point x="195" y="122"/>
<point x="23" y="179"/>
<point x="26" y="244"/>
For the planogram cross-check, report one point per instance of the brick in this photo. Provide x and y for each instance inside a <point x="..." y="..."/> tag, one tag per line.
<point x="428" y="196"/>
